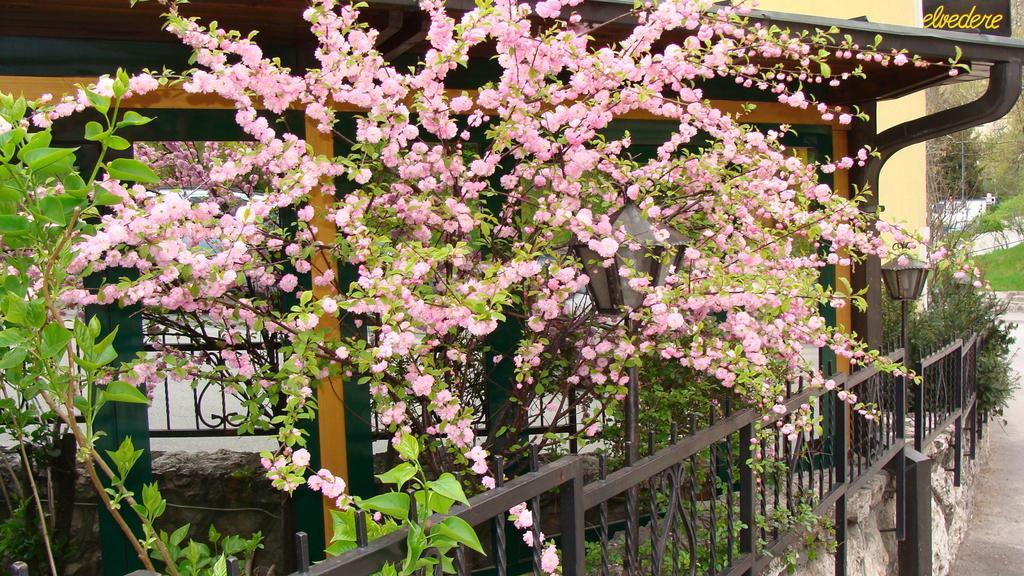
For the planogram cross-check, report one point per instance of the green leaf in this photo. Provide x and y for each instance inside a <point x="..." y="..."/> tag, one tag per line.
<point x="415" y="544"/>
<point x="448" y="486"/>
<point x="12" y="137"/>
<point x="394" y="504"/>
<point x="460" y="531"/>
<point x="398" y="475"/>
<point x="339" y="547"/>
<point x="344" y="524"/>
<point x="55" y="340"/>
<point x="13" y="358"/>
<point x="99" y="102"/>
<point x="11" y="337"/>
<point x="35" y="141"/>
<point x="132" y="118"/>
<point x="15" y="310"/>
<point x="439" y="503"/>
<point x="10" y="192"/>
<point x="220" y="567"/>
<point x="125" y="457"/>
<point x="106" y="354"/>
<point x="119" y="391"/>
<point x="74" y="187"/>
<point x="35" y="314"/>
<point x="40" y="158"/>
<point x="408" y="447"/>
<point x="13" y="224"/>
<point x="131" y="170"/>
<point x="152" y="500"/>
<point x="178" y="536"/>
<point x="115" y="142"/>
<point x="104" y="198"/>
<point x="52" y="209"/>
<point x="94" y="131"/>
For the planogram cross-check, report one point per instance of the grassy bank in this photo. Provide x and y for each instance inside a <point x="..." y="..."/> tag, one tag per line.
<point x="1004" y="268"/>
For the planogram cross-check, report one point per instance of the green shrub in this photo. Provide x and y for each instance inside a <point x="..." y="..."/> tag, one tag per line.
<point x="957" y="310"/>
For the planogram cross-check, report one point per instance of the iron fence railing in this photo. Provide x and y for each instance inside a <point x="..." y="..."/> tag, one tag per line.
<point x="191" y="407"/>
<point x="700" y="507"/>
<point x="695" y="504"/>
<point x="947" y="398"/>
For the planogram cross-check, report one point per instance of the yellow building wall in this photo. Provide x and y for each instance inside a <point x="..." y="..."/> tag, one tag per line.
<point x="903" y="187"/>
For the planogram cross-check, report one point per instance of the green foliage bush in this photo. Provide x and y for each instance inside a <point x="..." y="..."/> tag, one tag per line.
<point x="957" y="310"/>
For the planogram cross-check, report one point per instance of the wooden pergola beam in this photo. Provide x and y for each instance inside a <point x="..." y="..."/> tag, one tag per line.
<point x="175" y="97"/>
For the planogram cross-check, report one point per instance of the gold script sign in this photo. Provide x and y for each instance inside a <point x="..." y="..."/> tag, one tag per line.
<point x="992" y="17"/>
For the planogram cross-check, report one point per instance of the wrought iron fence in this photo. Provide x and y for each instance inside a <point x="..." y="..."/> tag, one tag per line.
<point x="695" y="504"/>
<point x="190" y="407"/>
<point x="692" y="506"/>
<point x="948" y="397"/>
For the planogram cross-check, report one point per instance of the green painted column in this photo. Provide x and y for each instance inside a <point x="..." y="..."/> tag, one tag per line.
<point x="503" y="341"/>
<point x="307" y="507"/>
<point x="118" y="420"/>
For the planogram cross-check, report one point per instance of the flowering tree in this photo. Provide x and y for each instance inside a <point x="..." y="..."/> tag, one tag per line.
<point x="454" y="212"/>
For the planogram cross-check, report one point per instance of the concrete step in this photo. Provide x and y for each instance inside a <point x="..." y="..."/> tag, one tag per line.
<point x="1015" y="300"/>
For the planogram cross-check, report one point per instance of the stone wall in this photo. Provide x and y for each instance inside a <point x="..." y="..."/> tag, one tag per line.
<point x="871" y="542"/>
<point x="223" y="488"/>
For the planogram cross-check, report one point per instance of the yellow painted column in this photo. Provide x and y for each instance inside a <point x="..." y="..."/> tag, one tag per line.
<point x="330" y="393"/>
<point x="841" y="185"/>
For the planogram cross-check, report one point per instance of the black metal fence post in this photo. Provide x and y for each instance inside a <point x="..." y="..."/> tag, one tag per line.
<point x="748" y="510"/>
<point x="915" y="552"/>
<point x="498" y="524"/>
<point x="975" y="421"/>
<point x="901" y="430"/>
<point x="573" y="526"/>
<point x="958" y="425"/>
<point x="839" y="448"/>
<point x="301" y="552"/>
<point x="632" y="454"/>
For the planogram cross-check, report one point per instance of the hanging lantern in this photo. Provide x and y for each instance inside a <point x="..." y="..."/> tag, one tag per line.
<point x="609" y="287"/>
<point x="905" y="282"/>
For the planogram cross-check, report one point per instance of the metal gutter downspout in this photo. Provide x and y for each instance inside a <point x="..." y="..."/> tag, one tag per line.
<point x="1004" y="88"/>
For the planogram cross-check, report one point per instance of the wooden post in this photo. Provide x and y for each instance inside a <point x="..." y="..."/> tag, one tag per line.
<point x="330" y="392"/>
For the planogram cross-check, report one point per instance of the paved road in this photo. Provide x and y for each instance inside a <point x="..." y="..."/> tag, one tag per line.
<point x="994" y="545"/>
<point x="990" y="241"/>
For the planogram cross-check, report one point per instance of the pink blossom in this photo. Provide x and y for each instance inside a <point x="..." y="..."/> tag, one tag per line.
<point x="423" y="385"/>
<point x="549" y="560"/>
<point x="288" y="282"/>
<point x="301" y="457"/>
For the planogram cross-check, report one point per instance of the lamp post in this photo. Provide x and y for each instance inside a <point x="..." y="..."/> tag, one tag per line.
<point x="655" y="255"/>
<point x="905" y="283"/>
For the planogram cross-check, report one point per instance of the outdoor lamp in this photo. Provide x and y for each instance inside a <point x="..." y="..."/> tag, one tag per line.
<point x="608" y="287"/>
<point x="905" y="282"/>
